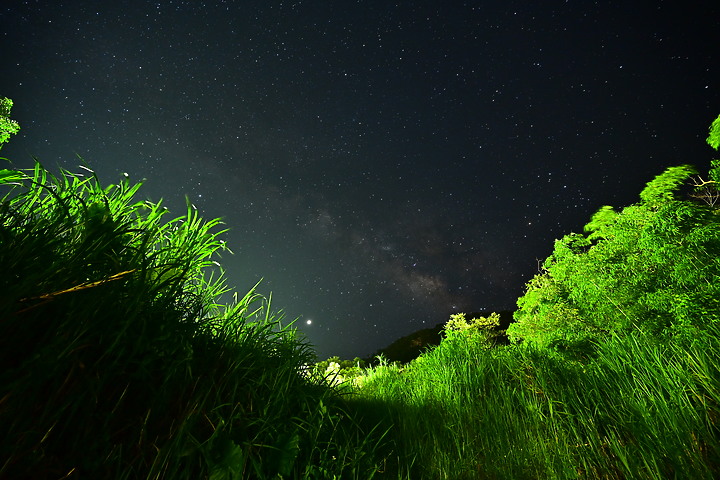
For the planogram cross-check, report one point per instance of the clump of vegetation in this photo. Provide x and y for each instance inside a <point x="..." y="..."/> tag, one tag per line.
<point x="482" y="330"/>
<point x="458" y="323"/>
<point x="8" y="126"/>
<point x="118" y="362"/>
<point x="651" y="267"/>
<point x="335" y="371"/>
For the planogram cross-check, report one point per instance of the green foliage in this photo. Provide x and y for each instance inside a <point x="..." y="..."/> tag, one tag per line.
<point x="116" y="361"/>
<point x="334" y="371"/>
<point x="458" y="323"/>
<point x="600" y="222"/>
<point x="480" y="330"/>
<point x="708" y="190"/>
<point x="7" y="125"/>
<point x="713" y="138"/>
<point x="663" y="187"/>
<point x="715" y="172"/>
<point x="640" y="409"/>
<point x="652" y="266"/>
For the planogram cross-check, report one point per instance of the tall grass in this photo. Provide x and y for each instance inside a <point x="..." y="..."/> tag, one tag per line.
<point x="116" y="361"/>
<point x="641" y="409"/>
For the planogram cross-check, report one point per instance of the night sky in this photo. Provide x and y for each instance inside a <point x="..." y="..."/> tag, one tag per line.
<point x="381" y="165"/>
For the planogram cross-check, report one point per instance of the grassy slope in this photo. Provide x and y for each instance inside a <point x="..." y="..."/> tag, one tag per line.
<point x="639" y="410"/>
<point x="116" y="362"/>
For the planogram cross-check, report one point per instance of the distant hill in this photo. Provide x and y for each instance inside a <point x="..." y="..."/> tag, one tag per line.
<point x="411" y="346"/>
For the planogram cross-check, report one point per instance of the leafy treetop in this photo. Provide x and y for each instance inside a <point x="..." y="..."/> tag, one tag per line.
<point x="7" y="125"/>
<point x="653" y="266"/>
<point x="713" y="138"/>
